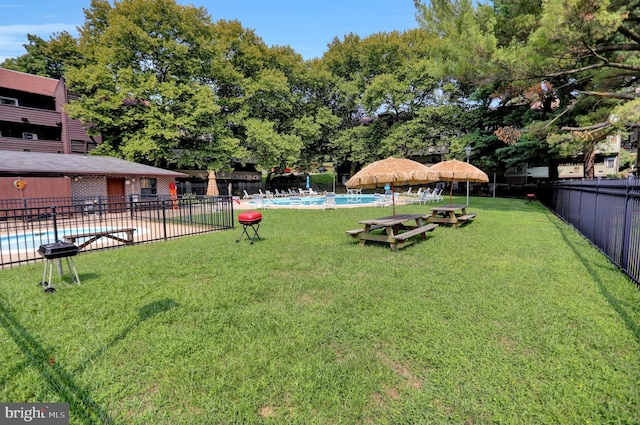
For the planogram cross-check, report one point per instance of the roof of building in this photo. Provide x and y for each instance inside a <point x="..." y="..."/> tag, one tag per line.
<point x="53" y="164"/>
<point x="30" y="83"/>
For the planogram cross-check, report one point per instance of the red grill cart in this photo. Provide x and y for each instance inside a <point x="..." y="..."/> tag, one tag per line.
<point x="250" y="220"/>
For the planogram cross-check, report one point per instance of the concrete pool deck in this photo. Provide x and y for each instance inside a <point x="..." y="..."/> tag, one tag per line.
<point x="249" y="204"/>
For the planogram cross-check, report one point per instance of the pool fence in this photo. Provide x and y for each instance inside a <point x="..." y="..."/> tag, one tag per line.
<point x="104" y="222"/>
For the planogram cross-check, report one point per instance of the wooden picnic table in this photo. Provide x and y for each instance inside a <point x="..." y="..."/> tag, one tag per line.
<point x="450" y="214"/>
<point x="95" y="235"/>
<point x="396" y="230"/>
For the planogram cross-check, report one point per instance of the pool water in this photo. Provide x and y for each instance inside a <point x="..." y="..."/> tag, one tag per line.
<point x="28" y="242"/>
<point x="319" y="200"/>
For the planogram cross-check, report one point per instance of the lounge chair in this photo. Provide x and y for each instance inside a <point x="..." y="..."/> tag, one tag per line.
<point x="262" y="202"/>
<point x="330" y="201"/>
<point x="388" y="198"/>
<point x="379" y="200"/>
<point x="295" y="201"/>
<point x="246" y="195"/>
<point x="423" y="197"/>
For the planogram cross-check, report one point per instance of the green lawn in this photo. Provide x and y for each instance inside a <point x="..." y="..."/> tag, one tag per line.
<point x="513" y="319"/>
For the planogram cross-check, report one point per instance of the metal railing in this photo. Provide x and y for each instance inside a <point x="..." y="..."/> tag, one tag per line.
<point x="606" y="212"/>
<point x="104" y="222"/>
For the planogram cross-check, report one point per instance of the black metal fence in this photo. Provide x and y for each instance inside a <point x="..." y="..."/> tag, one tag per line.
<point x="606" y="212"/>
<point x="104" y="222"/>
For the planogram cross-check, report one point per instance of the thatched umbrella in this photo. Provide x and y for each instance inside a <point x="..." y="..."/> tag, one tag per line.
<point x="454" y="170"/>
<point x="212" y="186"/>
<point x="393" y="171"/>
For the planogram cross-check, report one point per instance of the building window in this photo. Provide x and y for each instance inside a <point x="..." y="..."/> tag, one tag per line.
<point x="8" y="101"/>
<point x="148" y="187"/>
<point x="610" y="162"/>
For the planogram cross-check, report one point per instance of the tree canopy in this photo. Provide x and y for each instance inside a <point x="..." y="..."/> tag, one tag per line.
<point x="519" y="81"/>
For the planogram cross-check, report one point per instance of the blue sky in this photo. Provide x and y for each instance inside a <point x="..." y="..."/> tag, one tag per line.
<point x="305" y="25"/>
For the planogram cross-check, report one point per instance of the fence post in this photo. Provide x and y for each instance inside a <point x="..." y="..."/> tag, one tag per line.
<point x="54" y="216"/>
<point x="626" y="230"/>
<point x="164" y="218"/>
<point x="99" y="198"/>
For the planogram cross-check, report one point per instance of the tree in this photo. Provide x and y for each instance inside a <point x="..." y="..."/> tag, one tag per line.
<point x="47" y="58"/>
<point x="572" y="63"/>
<point x="388" y="93"/>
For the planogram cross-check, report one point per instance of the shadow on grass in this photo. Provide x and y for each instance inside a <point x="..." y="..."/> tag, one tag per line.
<point x="59" y="380"/>
<point x="144" y="313"/>
<point x="611" y="299"/>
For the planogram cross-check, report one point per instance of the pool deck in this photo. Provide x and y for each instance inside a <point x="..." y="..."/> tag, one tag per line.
<point x="248" y="204"/>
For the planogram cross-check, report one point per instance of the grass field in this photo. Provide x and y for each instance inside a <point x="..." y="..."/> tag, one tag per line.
<point x="512" y="319"/>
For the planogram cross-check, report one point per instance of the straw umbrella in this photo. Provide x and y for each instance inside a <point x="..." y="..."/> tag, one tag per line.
<point x="454" y="170"/>
<point x="212" y="186"/>
<point x="393" y="171"/>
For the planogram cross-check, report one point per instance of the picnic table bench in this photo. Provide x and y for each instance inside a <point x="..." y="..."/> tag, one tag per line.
<point x="356" y="232"/>
<point x="94" y="236"/>
<point x="448" y="214"/>
<point x="413" y="232"/>
<point x="396" y="230"/>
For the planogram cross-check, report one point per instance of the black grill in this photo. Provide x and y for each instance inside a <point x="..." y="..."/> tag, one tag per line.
<point x="58" y="250"/>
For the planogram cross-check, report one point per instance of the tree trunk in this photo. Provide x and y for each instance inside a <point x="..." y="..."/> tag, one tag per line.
<point x="589" y="163"/>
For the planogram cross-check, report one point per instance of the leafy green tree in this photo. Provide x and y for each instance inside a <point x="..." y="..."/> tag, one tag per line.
<point x="145" y="84"/>
<point x="390" y="93"/>
<point x="47" y="58"/>
<point x="572" y="64"/>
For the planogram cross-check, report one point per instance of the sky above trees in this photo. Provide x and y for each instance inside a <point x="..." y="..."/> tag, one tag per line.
<point x="307" y="26"/>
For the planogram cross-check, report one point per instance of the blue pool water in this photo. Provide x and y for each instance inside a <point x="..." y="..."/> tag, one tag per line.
<point x="319" y="200"/>
<point x="27" y="242"/>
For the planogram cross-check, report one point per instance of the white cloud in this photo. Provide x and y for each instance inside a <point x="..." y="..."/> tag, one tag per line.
<point x="14" y="37"/>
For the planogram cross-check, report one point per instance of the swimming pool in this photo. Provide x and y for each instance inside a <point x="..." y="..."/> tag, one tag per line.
<point x="356" y="199"/>
<point x="29" y="242"/>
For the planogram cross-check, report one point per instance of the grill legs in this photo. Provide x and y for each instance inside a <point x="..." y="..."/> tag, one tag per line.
<point x="254" y="228"/>
<point x="49" y="263"/>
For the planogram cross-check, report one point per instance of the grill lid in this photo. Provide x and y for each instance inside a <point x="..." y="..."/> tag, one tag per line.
<point x="58" y="250"/>
<point x="250" y="217"/>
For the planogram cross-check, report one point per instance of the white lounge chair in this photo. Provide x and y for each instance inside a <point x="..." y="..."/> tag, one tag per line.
<point x="423" y="197"/>
<point x="246" y="195"/>
<point x="380" y="200"/>
<point x="295" y="201"/>
<point x="330" y="201"/>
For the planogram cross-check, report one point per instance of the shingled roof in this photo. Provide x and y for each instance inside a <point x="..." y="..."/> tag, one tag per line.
<point x="20" y="81"/>
<point x="52" y="164"/>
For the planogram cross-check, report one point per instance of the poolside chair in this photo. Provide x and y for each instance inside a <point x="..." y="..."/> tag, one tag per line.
<point x="295" y="201"/>
<point x="437" y="195"/>
<point x="266" y="194"/>
<point x="330" y="201"/>
<point x="424" y="197"/>
<point x="246" y="195"/>
<point x="261" y="202"/>
<point x="280" y="194"/>
<point x="388" y="198"/>
<point x="378" y="200"/>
